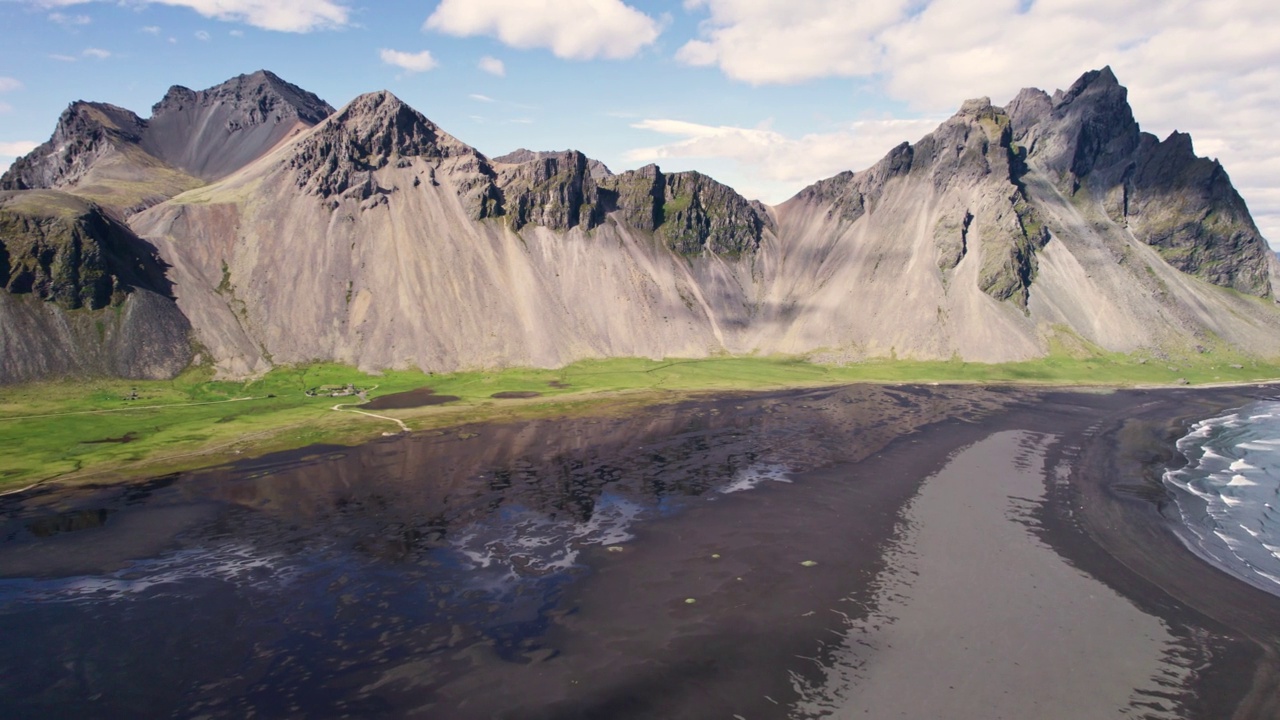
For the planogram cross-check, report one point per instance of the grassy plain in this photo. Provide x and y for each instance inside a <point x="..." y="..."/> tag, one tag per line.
<point x="86" y="431"/>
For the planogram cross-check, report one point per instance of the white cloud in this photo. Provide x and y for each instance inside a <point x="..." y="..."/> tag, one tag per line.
<point x="413" y="62"/>
<point x="480" y="98"/>
<point x="69" y="20"/>
<point x="781" y="165"/>
<point x="767" y="41"/>
<point x="5" y="108"/>
<point x="571" y="29"/>
<point x="1210" y="69"/>
<point x="62" y="58"/>
<point x="298" y="16"/>
<point x="493" y="66"/>
<point x="8" y="84"/>
<point x="97" y="53"/>
<point x="17" y="149"/>
<point x="202" y="35"/>
<point x="236" y="33"/>
<point x="150" y="30"/>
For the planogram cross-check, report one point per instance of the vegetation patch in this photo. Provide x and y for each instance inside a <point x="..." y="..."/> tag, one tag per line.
<point x="55" y="430"/>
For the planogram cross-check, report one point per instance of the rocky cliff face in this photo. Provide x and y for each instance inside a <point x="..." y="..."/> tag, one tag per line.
<point x="555" y="190"/>
<point x="971" y="163"/>
<point x="376" y="238"/>
<point x="1088" y="143"/>
<point x="69" y="252"/>
<point x="375" y="130"/>
<point x="86" y="132"/>
<point x="82" y="294"/>
<point x="691" y="213"/>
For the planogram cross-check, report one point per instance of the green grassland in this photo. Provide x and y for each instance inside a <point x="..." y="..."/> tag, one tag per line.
<point x="87" y="431"/>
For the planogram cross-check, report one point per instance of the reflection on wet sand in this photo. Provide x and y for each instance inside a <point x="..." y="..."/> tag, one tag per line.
<point x="682" y="561"/>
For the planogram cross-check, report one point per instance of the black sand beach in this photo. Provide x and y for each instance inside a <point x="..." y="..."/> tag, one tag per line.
<point x="938" y="551"/>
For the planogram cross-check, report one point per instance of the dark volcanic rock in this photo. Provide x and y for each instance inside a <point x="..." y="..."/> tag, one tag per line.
<point x="212" y="133"/>
<point x="851" y="195"/>
<point x="971" y="153"/>
<point x="82" y="295"/>
<point x="376" y="129"/>
<point x="69" y="252"/>
<point x="691" y="213"/>
<point x="1086" y="134"/>
<point x="554" y="190"/>
<point x="1185" y="207"/>
<point x="598" y="170"/>
<point x="110" y="155"/>
<point x="85" y="132"/>
<point x="701" y="215"/>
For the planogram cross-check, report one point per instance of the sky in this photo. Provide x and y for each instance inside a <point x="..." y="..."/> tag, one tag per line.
<point x="767" y="96"/>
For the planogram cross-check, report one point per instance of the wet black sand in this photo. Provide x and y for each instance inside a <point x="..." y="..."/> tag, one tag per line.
<point x="492" y="571"/>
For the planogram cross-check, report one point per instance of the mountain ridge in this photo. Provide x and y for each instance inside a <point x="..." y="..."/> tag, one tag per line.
<point x="375" y="238"/>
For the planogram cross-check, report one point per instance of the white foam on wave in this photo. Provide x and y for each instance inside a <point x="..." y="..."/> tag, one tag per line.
<point x="1241" y="481"/>
<point x="1224" y="492"/>
<point x="521" y="543"/>
<point x="753" y="476"/>
<point x="239" y="564"/>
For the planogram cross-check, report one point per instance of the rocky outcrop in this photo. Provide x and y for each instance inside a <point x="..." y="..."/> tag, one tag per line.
<point x="851" y="195"/>
<point x="691" y="213"/>
<point x="82" y="295"/>
<point x="972" y="169"/>
<point x="554" y="190"/>
<point x="595" y="168"/>
<point x="1187" y="209"/>
<point x="377" y="130"/>
<point x="85" y="134"/>
<point x="64" y="250"/>
<point x="111" y="156"/>
<point x="1087" y="141"/>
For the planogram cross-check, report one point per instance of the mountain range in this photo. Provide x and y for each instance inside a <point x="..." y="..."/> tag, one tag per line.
<point x="252" y="224"/>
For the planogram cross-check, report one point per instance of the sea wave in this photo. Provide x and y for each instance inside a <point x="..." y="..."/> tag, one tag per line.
<point x="1228" y="494"/>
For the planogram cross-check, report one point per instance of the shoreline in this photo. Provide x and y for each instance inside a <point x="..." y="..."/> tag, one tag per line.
<point x="188" y="423"/>
<point x="1116" y="498"/>
<point x="620" y="638"/>
<point x="431" y="418"/>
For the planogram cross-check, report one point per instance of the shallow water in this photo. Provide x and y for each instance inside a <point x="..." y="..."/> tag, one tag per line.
<point x="377" y="580"/>
<point x="1228" y="494"/>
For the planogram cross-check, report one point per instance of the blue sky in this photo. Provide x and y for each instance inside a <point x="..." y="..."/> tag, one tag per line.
<point x="766" y="95"/>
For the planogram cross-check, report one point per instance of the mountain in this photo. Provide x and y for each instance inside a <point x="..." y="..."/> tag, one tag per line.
<point x="110" y="155"/>
<point x="370" y="236"/>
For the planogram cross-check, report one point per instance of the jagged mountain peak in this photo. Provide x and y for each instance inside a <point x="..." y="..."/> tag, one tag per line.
<point x="214" y="132"/>
<point x="85" y="133"/>
<point x="381" y="125"/>
<point x="373" y="131"/>
<point x="383" y="120"/>
<point x="1094" y="82"/>
<point x="261" y="92"/>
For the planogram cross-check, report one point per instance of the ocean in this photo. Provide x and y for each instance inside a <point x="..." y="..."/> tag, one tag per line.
<point x="1228" y="495"/>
